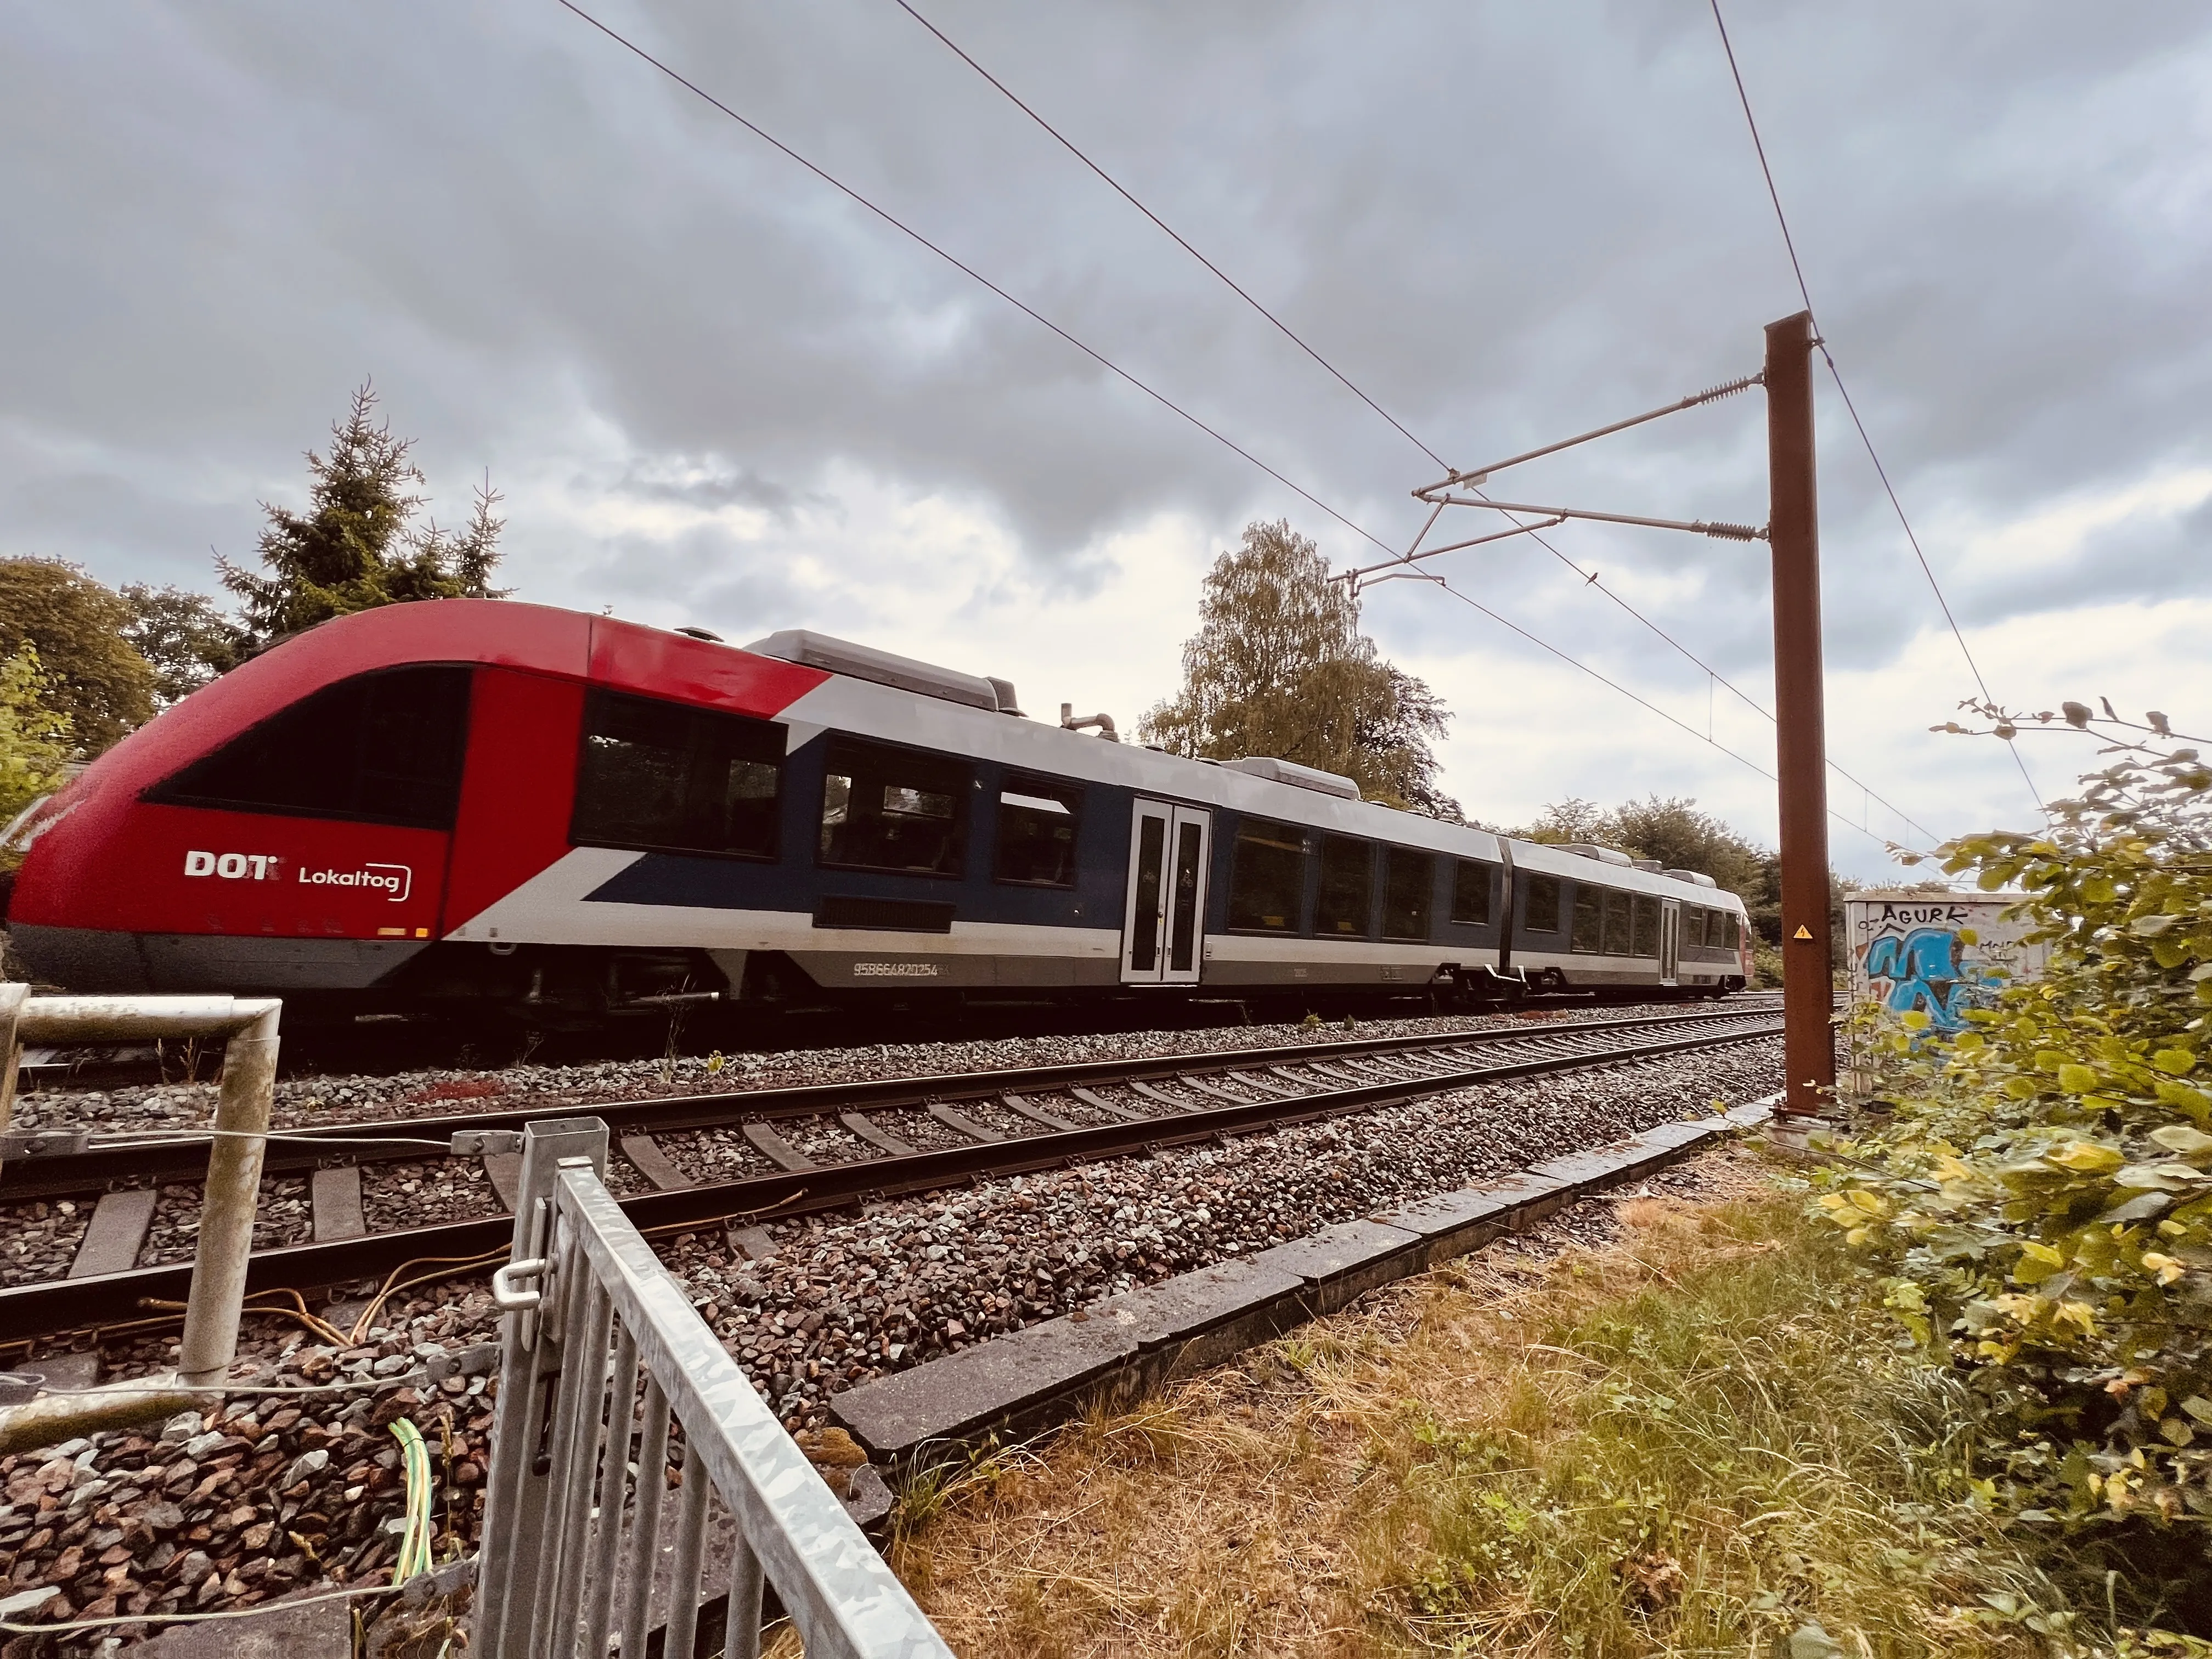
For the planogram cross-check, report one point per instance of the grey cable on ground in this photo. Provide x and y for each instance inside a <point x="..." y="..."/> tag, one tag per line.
<point x="17" y="1629"/>
<point x="414" y="1379"/>
<point x="171" y="1137"/>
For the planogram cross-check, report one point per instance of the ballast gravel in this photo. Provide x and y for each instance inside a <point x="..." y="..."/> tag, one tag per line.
<point x="39" y="1240"/>
<point x="281" y="1217"/>
<point x="425" y="1193"/>
<point x="315" y="1101"/>
<point x="253" y="1499"/>
<point x="845" y="1297"/>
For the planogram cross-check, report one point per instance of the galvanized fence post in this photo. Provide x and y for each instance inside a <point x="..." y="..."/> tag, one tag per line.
<point x="232" y="1197"/>
<point x="532" y="1342"/>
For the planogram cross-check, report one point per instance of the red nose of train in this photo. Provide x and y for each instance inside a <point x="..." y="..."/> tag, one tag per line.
<point x="284" y="828"/>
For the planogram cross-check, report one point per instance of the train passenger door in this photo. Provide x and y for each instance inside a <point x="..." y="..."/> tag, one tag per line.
<point x="1162" y="933"/>
<point x="1670" y="940"/>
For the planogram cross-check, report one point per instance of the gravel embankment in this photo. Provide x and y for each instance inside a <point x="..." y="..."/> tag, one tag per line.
<point x="255" y="1502"/>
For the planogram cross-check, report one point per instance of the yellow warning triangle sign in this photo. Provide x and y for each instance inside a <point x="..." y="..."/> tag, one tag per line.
<point x="1803" y="932"/>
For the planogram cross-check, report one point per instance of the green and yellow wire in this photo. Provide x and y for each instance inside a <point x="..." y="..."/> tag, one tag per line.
<point x="414" y="1541"/>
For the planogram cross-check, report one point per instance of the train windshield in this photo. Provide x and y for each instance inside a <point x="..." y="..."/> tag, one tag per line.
<point x="381" y="748"/>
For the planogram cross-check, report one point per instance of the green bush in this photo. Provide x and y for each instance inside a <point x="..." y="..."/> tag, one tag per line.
<point x="2040" y="1203"/>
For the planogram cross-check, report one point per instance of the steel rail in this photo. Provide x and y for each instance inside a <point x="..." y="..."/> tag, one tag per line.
<point x="50" y="1307"/>
<point x="183" y="1157"/>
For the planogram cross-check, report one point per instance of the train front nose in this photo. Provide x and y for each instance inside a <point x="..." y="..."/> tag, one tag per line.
<point x="61" y="898"/>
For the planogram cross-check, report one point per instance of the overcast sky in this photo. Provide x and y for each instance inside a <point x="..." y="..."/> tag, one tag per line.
<point x="715" y="392"/>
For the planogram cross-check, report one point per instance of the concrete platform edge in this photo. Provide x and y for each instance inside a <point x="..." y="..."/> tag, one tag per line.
<point x="1122" y="1350"/>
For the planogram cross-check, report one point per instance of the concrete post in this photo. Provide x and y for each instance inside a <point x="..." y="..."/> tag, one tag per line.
<point x="232" y="1197"/>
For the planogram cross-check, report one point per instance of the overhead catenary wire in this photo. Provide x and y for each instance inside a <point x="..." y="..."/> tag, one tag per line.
<point x="1590" y="577"/>
<point x="1176" y="236"/>
<point x="969" y="270"/>
<point x="1577" y="664"/>
<point x="1713" y="676"/>
<point x="1157" y="396"/>
<point x="1805" y="293"/>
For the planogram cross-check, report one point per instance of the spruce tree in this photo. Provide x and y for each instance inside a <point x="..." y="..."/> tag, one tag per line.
<point x="356" y="547"/>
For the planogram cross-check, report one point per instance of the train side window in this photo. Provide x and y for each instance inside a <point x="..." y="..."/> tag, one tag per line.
<point x="1735" y="938"/>
<point x="670" y="777"/>
<point x="1543" y="904"/>
<point x="1471" y="883"/>
<point x="1617" y="912"/>
<point x="1694" y="928"/>
<point x="380" y="748"/>
<point x="1409" y="885"/>
<point x="1647" y="927"/>
<point x="894" y="809"/>
<point x="1267" y="880"/>
<point x="1037" y="820"/>
<point x="1589" y="914"/>
<point x="1347" y="887"/>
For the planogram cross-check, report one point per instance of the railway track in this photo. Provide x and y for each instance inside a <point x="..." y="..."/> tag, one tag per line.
<point x="888" y="1136"/>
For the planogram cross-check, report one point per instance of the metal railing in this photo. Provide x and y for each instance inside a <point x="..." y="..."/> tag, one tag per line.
<point x="244" y="1100"/>
<point x="604" y="1353"/>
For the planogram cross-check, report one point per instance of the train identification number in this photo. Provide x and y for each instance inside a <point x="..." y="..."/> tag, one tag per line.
<point x="894" y="970"/>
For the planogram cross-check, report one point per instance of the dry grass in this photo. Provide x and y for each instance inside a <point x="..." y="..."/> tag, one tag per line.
<point x="1695" y="1440"/>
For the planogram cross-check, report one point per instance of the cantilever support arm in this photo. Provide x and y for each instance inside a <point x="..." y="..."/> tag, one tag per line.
<point x="1723" y="531"/>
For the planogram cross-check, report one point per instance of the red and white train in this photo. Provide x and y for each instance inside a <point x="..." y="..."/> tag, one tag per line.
<point x="489" y="804"/>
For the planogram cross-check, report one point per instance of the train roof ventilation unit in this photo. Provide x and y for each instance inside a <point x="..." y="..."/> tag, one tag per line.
<point x="865" y="662"/>
<point x="1602" y="854"/>
<point x="1649" y="866"/>
<point x="1298" y="777"/>
<point x="1697" y="876"/>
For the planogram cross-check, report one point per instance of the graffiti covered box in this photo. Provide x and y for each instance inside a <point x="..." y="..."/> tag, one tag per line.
<point x="1938" y="954"/>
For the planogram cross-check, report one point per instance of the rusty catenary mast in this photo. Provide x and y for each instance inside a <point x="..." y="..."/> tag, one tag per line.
<point x="1793" y="535"/>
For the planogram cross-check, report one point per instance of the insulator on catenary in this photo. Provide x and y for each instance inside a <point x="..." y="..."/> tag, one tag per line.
<point x="1729" y="389"/>
<point x="1731" y="532"/>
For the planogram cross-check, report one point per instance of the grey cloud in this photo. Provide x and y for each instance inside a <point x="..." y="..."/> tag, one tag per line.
<point x="1505" y="222"/>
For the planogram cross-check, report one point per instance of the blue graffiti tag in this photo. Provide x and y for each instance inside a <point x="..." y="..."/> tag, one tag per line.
<point x="1925" y="971"/>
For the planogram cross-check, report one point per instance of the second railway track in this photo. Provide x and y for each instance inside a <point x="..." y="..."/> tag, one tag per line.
<point x="1016" y="1120"/>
